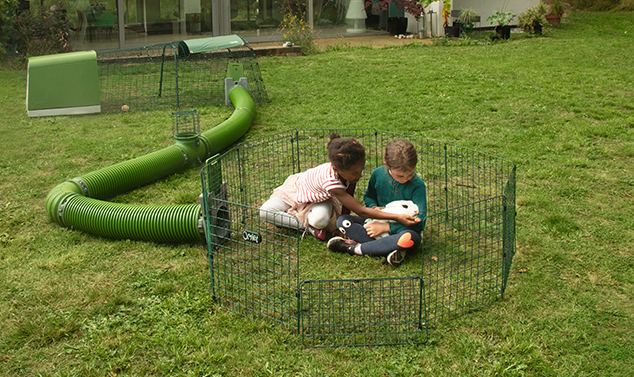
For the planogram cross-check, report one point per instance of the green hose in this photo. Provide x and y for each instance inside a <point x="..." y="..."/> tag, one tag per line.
<point x="79" y="204"/>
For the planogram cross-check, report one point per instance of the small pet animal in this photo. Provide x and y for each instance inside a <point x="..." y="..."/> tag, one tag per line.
<point x="398" y="207"/>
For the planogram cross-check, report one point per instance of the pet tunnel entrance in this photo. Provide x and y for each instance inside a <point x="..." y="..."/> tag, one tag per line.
<point x="466" y="254"/>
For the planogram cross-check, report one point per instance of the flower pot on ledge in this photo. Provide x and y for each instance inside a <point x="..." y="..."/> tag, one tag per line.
<point x="397" y="25"/>
<point x="452" y="31"/>
<point x="503" y="31"/>
<point x="553" y="19"/>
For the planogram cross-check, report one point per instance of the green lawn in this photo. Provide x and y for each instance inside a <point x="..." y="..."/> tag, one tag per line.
<point x="560" y="106"/>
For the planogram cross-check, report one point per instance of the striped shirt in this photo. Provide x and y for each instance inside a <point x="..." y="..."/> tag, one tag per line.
<point x="314" y="185"/>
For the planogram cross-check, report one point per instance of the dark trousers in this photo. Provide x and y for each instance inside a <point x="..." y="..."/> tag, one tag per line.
<point x="352" y="227"/>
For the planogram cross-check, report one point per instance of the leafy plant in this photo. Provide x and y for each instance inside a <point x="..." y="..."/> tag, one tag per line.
<point x="296" y="30"/>
<point x="462" y="41"/>
<point x="7" y="24"/>
<point x="557" y="8"/>
<point x="533" y="20"/>
<point x="43" y="32"/>
<point x="501" y="18"/>
<point x="469" y="16"/>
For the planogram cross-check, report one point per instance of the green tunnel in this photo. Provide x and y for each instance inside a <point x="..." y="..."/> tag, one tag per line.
<point x="80" y="202"/>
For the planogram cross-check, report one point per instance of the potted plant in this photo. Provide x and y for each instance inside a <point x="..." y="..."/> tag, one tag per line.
<point x="533" y="20"/>
<point x="502" y="21"/>
<point x="396" y="25"/>
<point x="467" y="18"/>
<point x="557" y="9"/>
<point x="450" y="31"/>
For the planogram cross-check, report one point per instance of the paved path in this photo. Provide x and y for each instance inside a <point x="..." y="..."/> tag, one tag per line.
<point x="356" y="41"/>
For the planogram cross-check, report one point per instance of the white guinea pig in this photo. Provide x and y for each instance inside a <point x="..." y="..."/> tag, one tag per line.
<point x="397" y="207"/>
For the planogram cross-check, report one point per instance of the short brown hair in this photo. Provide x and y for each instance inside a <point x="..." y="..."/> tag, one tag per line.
<point x="400" y="154"/>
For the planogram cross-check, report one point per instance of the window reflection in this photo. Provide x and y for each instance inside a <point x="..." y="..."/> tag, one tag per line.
<point x="96" y="24"/>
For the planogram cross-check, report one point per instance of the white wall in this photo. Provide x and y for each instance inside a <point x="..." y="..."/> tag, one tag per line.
<point x="412" y="23"/>
<point x="486" y="7"/>
<point x="437" y="22"/>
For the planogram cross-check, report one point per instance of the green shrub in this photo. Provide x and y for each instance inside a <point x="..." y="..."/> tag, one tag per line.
<point x="296" y="30"/>
<point x="42" y="32"/>
<point x="533" y="17"/>
<point x="7" y="25"/>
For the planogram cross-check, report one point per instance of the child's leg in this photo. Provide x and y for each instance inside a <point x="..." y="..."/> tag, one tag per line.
<point x="274" y="211"/>
<point x="319" y="215"/>
<point x="352" y="227"/>
<point x="406" y="240"/>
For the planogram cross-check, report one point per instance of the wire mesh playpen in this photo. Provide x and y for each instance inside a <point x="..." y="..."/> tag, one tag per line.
<point x="176" y="75"/>
<point x="265" y="272"/>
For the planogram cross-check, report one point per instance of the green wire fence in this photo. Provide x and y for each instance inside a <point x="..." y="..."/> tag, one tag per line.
<point x="265" y="272"/>
<point x="176" y="75"/>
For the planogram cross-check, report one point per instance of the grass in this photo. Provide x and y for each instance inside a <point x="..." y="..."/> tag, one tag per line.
<point x="560" y="107"/>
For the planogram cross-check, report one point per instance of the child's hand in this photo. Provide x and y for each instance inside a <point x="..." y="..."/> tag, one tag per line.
<point x="408" y="220"/>
<point x="377" y="227"/>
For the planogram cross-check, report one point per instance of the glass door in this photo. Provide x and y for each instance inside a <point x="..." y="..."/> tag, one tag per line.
<point x="158" y="21"/>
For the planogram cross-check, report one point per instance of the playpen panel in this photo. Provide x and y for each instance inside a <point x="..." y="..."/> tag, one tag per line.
<point x="468" y="243"/>
<point x="362" y="312"/>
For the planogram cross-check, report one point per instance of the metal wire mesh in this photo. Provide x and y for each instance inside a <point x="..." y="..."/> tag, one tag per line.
<point x="464" y="249"/>
<point x="185" y="122"/>
<point x="362" y="312"/>
<point x="254" y="265"/>
<point x="467" y="251"/>
<point x="162" y="76"/>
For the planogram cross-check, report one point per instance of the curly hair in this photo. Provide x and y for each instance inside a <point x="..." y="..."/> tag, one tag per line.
<point x="400" y="154"/>
<point x="344" y="153"/>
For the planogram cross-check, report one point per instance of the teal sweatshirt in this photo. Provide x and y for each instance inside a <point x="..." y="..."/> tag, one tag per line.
<point x="383" y="189"/>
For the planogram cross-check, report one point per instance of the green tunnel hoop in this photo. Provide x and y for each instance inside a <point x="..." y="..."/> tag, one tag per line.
<point x="80" y="203"/>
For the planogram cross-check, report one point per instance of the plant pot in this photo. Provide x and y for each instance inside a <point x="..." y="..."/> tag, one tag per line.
<point x="553" y="19"/>
<point x="397" y="25"/>
<point x="503" y="31"/>
<point x="452" y="31"/>
<point x="537" y="28"/>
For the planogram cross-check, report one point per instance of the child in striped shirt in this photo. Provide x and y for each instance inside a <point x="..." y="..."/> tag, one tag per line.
<point x="310" y="200"/>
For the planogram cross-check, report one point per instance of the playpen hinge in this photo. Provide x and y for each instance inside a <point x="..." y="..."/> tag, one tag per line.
<point x="201" y="226"/>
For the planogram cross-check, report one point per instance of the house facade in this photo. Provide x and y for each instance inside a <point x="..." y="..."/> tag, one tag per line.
<point x="119" y="24"/>
<point x="486" y="7"/>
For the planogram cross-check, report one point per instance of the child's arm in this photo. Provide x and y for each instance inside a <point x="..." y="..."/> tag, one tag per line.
<point x="370" y="196"/>
<point x="353" y="205"/>
<point x="350" y="190"/>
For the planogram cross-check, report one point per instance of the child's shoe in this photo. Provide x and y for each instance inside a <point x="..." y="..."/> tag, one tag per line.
<point x="320" y="234"/>
<point x="396" y="257"/>
<point x="340" y="245"/>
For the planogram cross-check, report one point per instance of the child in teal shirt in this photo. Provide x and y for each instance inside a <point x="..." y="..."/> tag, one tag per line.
<point x="396" y="180"/>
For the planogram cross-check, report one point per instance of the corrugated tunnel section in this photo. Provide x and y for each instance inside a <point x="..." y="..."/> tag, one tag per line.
<point x="80" y="202"/>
